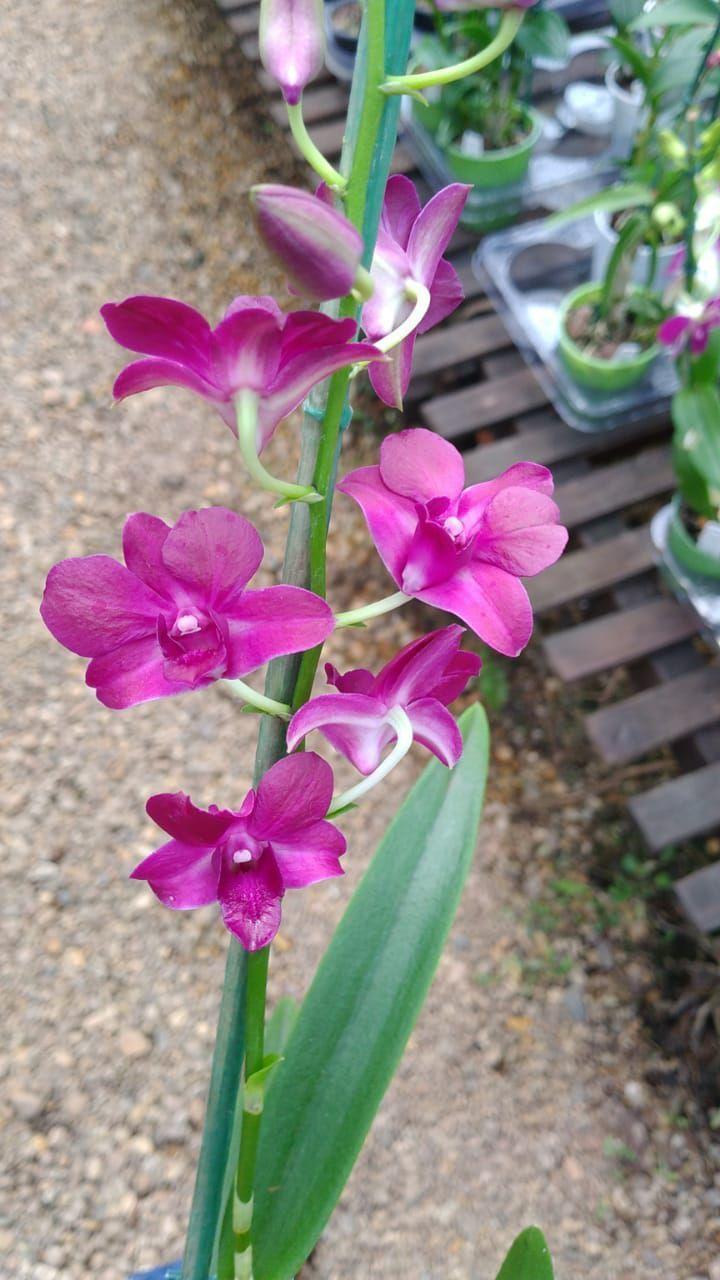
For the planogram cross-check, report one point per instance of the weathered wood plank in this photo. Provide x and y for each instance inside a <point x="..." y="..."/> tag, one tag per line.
<point x="679" y="809"/>
<point x="548" y="440"/>
<point x="584" y="573"/>
<point x="656" y="716"/>
<point x="460" y="413"/>
<point x="244" y="22"/>
<point x="618" y="638"/>
<point x="699" y="896"/>
<point x="618" y="485"/>
<point x="323" y="103"/>
<point x="456" y="343"/>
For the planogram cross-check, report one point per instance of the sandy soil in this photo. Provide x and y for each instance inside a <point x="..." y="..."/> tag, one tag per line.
<point x="530" y="1091"/>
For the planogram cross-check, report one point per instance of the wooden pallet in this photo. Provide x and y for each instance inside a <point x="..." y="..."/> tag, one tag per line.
<point x="604" y="605"/>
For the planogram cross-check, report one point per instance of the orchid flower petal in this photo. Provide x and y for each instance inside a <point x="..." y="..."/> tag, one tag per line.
<point x="184" y="821"/>
<point x="213" y="550"/>
<point x="391" y="519"/>
<point x="295" y="793"/>
<point x="92" y="604"/>
<point x="250" y="900"/>
<point x="435" y="728"/>
<point x="420" y="465"/>
<point x="181" y="875"/>
<point x="270" y="623"/>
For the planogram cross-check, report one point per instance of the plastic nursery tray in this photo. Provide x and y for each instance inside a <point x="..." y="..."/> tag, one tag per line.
<point x="702" y="594"/>
<point x="567" y="164"/>
<point x="528" y="271"/>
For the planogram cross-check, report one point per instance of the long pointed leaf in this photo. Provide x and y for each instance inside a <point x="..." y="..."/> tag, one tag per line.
<point x="528" y="1259"/>
<point x="361" y="1007"/>
<point x="630" y="195"/>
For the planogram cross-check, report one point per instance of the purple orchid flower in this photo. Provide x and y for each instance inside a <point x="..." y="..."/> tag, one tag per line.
<point x="690" y="331"/>
<point x="318" y="246"/>
<point x="422" y="680"/>
<point x="462" y="550"/>
<point x="292" y="43"/>
<point x="255" y="348"/>
<point x="410" y="277"/>
<point x="245" y="860"/>
<point x="178" y="617"/>
<point x="462" y="6"/>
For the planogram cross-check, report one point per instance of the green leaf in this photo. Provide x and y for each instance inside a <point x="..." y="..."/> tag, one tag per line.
<point x="528" y="1259"/>
<point x="678" y="13"/>
<point x="696" y="447"/>
<point x="630" y="237"/>
<point x="280" y="1025"/>
<point x="363" y="1003"/>
<point x="629" y="195"/>
<point x="624" y="12"/>
<point x="631" y="57"/>
<point x="544" y="35"/>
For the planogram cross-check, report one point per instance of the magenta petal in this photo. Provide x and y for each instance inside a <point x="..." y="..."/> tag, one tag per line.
<point x="432" y="557"/>
<point x="144" y="375"/>
<point x="250" y="898"/>
<point x="421" y="465"/>
<point x="298" y="375"/>
<point x="390" y="377"/>
<point x="312" y="855"/>
<point x="161" y="327"/>
<point x="433" y="230"/>
<point x="181" y="875"/>
<point x="522" y="475"/>
<point x="493" y="603"/>
<point x="445" y="296"/>
<point x="292" y="43"/>
<point x="436" y="729"/>
<point x="358" y="681"/>
<point x="354" y="723"/>
<point x="93" y="604"/>
<point x="246" y="350"/>
<point x="418" y="667"/>
<point x="143" y="540"/>
<point x="699" y="337"/>
<point x="267" y="624"/>
<point x="392" y="520"/>
<point x="214" y="550"/>
<point x="294" y="793"/>
<point x="176" y="814"/>
<point x="463" y="667"/>
<point x="304" y="331"/>
<point x="130" y="674"/>
<point x="401" y="206"/>
<point x="520" y="532"/>
<point x="673" y="330"/>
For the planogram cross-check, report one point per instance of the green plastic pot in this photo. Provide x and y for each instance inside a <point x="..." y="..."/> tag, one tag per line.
<point x="503" y="168"/>
<point x="591" y="371"/>
<point x="686" y="550"/>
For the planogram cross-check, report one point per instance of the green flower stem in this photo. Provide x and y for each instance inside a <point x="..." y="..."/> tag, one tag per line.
<point x="307" y="148"/>
<point x="354" y="617"/>
<point x="257" y="970"/>
<point x="508" y="29"/>
<point x="259" y="700"/>
<point x="246" y="407"/>
<point x="368" y="125"/>
<point x="220" y="1112"/>
<point x="400" y="722"/>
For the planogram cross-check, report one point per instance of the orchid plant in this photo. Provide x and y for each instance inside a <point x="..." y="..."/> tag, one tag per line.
<point x="291" y="1099"/>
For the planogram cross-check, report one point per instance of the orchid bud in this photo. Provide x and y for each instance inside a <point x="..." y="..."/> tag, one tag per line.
<point x="668" y="219"/>
<point x="672" y="147"/>
<point x="292" y="43"/>
<point x="317" y="246"/>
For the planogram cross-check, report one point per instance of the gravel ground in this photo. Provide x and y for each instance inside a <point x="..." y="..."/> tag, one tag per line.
<point x="530" y="1091"/>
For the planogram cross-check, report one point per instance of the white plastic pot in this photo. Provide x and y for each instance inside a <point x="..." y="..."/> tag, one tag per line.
<point x="628" y="112"/>
<point x="605" y="241"/>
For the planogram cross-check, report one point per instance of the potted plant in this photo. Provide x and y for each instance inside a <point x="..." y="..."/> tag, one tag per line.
<point x="484" y="125"/>
<point x="608" y="329"/>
